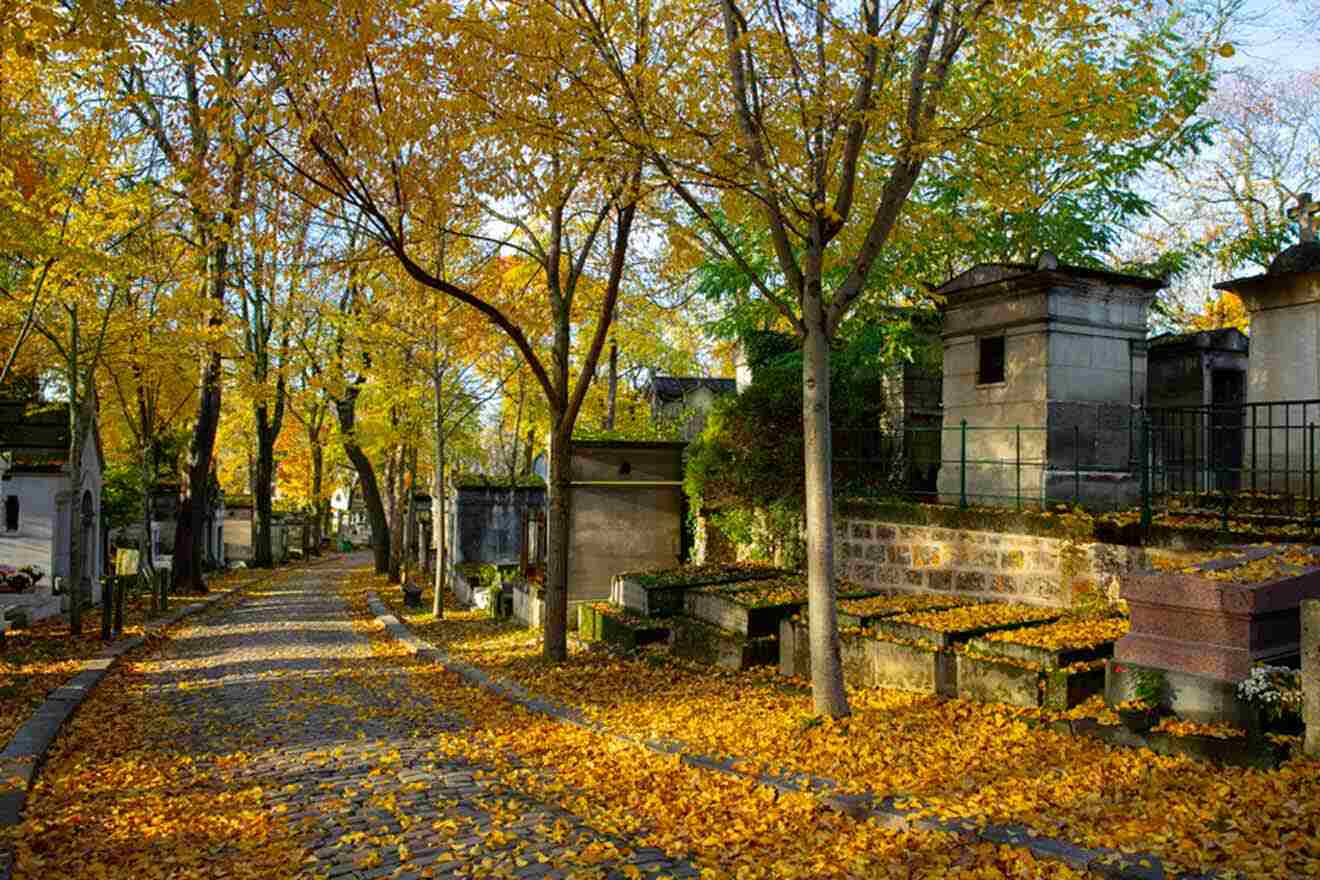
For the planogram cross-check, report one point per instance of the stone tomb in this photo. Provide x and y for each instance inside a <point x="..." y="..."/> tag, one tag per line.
<point x="1196" y="388"/>
<point x="1284" y="304"/>
<point x="1059" y="351"/>
<point x="1206" y="633"/>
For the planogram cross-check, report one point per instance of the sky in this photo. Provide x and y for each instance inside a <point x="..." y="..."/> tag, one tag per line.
<point x="1281" y="34"/>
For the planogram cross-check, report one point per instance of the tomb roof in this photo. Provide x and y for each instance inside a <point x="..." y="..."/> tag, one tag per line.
<point x="1301" y="257"/>
<point x="1044" y="274"/>
<point x="668" y="388"/>
<point x="1222" y="339"/>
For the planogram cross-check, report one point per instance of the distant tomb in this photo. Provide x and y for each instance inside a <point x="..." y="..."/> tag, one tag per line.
<point x="1045" y="365"/>
<point x="1196" y="387"/>
<point x="1283" y="378"/>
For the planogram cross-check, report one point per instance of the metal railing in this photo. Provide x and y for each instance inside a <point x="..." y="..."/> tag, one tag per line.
<point x="1019" y="466"/>
<point x="1257" y="462"/>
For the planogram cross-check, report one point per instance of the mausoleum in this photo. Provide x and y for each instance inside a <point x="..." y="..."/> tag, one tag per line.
<point x="1045" y="365"/>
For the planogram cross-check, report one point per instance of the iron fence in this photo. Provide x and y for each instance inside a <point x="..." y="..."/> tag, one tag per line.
<point x="1253" y="461"/>
<point x="1250" y="461"/>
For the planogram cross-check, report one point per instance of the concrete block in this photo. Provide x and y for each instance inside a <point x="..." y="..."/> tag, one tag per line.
<point x="909" y="668"/>
<point x="990" y="681"/>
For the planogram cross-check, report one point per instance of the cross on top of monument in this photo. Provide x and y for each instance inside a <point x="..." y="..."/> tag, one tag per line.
<point x="1305" y="213"/>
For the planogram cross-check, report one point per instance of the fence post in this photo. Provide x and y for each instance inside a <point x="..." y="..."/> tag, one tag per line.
<point x="1143" y="454"/>
<point x="962" y="468"/>
<point x="1018" y="431"/>
<point x="1310" y="477"/>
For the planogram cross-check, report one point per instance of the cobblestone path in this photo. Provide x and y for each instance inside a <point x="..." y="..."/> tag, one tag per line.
<point x="342" y="746"/>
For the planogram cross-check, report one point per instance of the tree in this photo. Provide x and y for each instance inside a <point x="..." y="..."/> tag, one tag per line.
<point x="838" y="109"/>
<point x="389" y="137"/>
<point x="190" y="90"/>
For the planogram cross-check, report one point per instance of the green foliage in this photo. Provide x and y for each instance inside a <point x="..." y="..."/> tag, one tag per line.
<point x="121" y="495"/>
<point x="484" y="574"/>
<point x="1150" y="686"/>
<point x="750" y="455"/>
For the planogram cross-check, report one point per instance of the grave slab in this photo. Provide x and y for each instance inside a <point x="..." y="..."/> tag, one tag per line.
<point x="712" y="646"/>
<point x="1215" y="628"/>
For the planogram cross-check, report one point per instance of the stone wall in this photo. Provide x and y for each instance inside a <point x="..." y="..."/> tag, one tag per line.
<point x="988" y="565"/>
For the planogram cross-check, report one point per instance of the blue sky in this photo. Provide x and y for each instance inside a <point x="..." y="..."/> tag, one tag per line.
<point x="1281" y="34"/>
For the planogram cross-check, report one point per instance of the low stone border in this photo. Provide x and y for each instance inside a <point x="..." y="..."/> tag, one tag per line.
<point x="23" y="755"/>
<point x="1105" y="862"/>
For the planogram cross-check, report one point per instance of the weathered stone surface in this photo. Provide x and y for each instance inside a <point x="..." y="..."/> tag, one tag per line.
<point x="795" y="654"/>
<point x="1311" y="674"/>
<point x="596" y="624"/>
<point x="989" y="681"/>
<point x="707" y="644"/>
<point x="1204" y="627"/>
<point x="1064" y="689"/>
<point x="912" y="632"/>
<point x="725" y="611"/>
<point x="908" y="668"/>
<point x="1043" y="657"/>
<point x="1194" y="697"/>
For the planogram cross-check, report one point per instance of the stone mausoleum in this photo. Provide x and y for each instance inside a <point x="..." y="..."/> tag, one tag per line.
<point x="1195" y="390"/>
<point x="1283" y="380"/>
<point x="1045" y="364"/>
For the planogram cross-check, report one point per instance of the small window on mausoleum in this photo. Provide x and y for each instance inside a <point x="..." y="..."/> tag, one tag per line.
<point x="991" y="368"/>
<point x="11" y="513"/>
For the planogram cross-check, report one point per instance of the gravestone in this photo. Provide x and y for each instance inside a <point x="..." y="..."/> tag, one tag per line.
<point x="1311" y="674"/>
<point x="1057" y="351"/>
<point x="1284" y="305"/>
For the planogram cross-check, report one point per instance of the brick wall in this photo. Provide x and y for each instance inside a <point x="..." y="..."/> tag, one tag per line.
<point x="986" y="565"/>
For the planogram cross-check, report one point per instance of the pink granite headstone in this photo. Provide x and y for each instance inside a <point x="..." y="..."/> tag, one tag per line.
<point x="1187" y="622"/>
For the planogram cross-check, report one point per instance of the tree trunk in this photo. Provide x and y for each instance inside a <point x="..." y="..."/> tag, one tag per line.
<point x="438" y="501"/>
<point x="74" y="588"/>
<point x="529" y="453"/>
<point x="613" y="386"/>
<point x="398" y="510"/>
<point x="318" y="503"/>
<point x="262" y="553"/>
<point x="555" y="623"/>
<point x="188" y="527"/>
<point x="346" y="410"/>
<point x="827" y="689"/>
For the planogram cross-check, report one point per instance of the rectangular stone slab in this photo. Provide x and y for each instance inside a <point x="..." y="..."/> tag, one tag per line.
<point x="667" y="600"/>
<point x="597" y="625"/>
<point x="696" y="641"/>
<point x="989" y="681"/>
<point x="946" y="603"/>
<point x="795" y="654"/>
<point x="913" y="632"/>
<point x="1206" y="627"/>
<point x="726" y="612"/>
<point x="907" y="668"/>
<point x="1044" y="657"/>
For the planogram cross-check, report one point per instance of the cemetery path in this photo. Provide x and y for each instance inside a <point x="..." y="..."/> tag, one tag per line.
<point x="281" y="693"/>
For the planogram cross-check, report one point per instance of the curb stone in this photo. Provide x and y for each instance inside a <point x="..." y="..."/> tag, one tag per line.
<point x="22" y="756"/>
<point x="1104" y="862"/>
